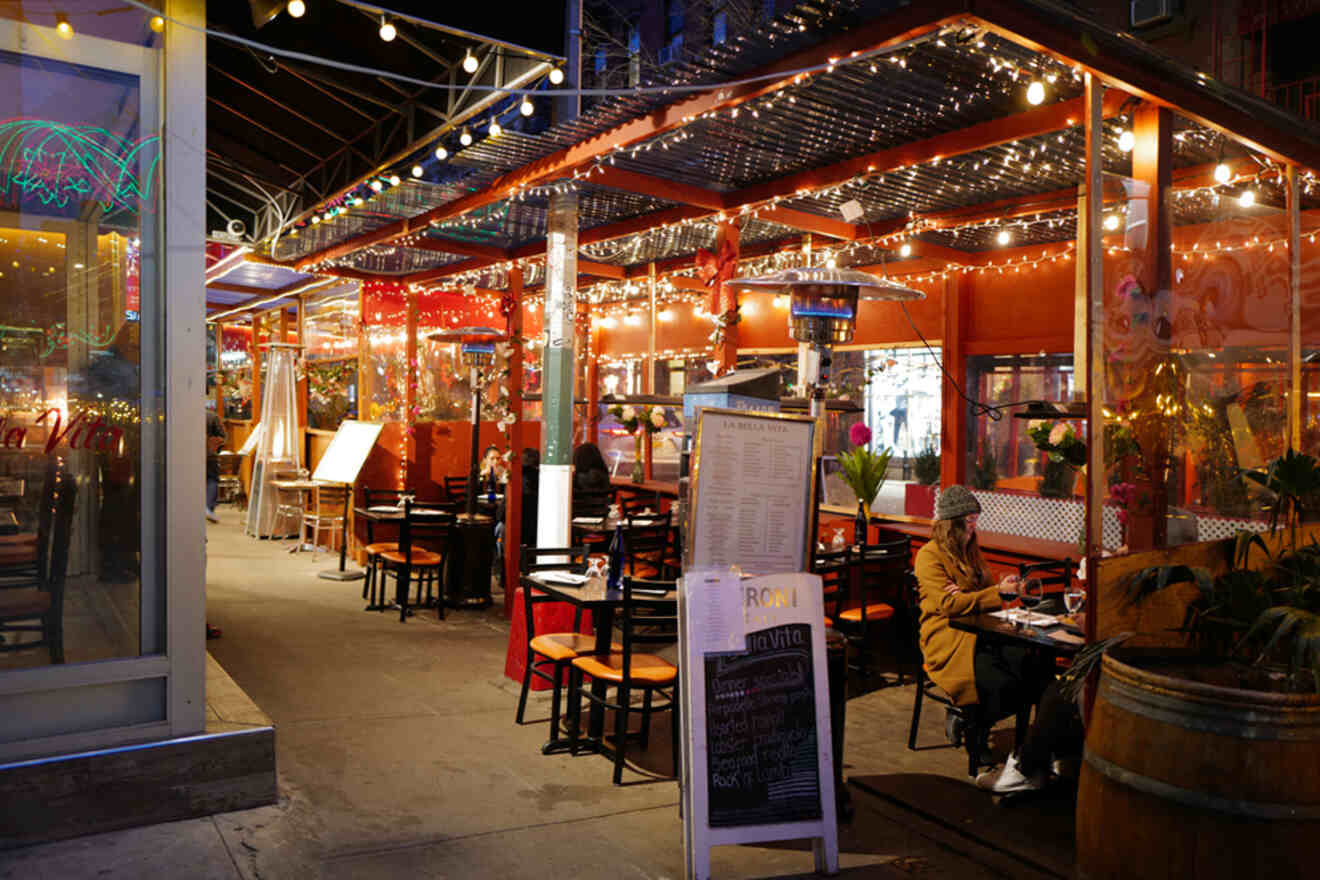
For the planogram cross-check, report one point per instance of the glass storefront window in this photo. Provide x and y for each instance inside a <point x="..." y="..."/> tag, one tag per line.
<point x="1000" y="452"/>
<point x="81" y="335"/>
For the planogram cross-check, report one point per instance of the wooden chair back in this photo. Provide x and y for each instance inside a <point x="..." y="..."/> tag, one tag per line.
<point x="456" y="490"/>
<point x="646" y="620"/>
<point x="330" y="500"/>
<point x="835" y="570"/>
<point x="532" y="559"/>
<point x="592" y="502"/>
<point x="884" y="573"/>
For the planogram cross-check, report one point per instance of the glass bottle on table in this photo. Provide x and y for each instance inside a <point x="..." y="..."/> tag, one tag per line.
<point x="860" y="525"/>
<point x="617" y="552"/>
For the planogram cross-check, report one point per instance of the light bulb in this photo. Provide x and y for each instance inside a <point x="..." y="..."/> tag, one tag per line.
<point x="1003" y="237"/>
<point x="1036" y="92"/>
<point x="1248" y="198"/>
<point x="417" y="171"/>
<point x="441" y="153"/>
<point x="470" y="62"/>
<point x="1222" y="173"/>
<point x="157" y="23"/>
<point x="1126" y="140"/>
<point x="1111" y="221"/>
<point x="465" y="138"/>
<point x="62" y="25"/>
<point x="296" y="8"/>
<point x="527" y="107"/>
<point x="316" y="218"/>
<point x="905" y="250"/>
<point x="377" y="186"/>
<point x="394" y="180"/>
<point x="387" y="31"/>
<point x="556" y="76"/>
<point x="494" y="128"/>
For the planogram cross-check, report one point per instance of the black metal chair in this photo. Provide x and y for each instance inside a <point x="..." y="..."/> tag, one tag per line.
<point x="1053" y="573"/>
<point x="648" y="544"/>
<point x="40" y="608"/>
<point x="374" y="498"/>
<point x="456" y="490"/>
<point x="879" y="583"/>
<point x="557" y="649"/>
<point x="970" y="728"/>
<point x="423" y="544"/>
<point x="24" y="556"/>
<point x="644" y="622"/>
<point x="835" y="570"/>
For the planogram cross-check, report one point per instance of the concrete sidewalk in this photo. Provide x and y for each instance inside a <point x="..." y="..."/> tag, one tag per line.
<point x="399" y="757"/>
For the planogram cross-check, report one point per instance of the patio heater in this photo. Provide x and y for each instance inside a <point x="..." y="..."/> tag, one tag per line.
<point x="278" y="441"/>
<point x="476" y="346"/>
<point x="822" y="311"/>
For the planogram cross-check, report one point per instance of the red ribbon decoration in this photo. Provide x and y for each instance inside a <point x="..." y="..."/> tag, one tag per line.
<point x="714" y="271"/>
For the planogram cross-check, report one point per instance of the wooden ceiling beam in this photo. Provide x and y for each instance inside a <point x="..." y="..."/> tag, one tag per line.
<point x="657" y="187"/>
<point x="808" y="222"/>
<point x="600" y="270"/>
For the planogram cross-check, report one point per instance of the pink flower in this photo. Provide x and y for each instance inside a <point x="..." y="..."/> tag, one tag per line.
<point x="1058" y="433"/>
<point x="658" y="418"/>
<point x="859" y="434"/>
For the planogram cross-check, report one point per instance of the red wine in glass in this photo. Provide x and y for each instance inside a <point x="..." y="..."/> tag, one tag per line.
<point x="1031" y="593"/>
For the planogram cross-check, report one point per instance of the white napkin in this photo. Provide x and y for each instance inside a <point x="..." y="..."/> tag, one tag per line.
<point x="1033" y="619"/>
<point x="572" y="579"/>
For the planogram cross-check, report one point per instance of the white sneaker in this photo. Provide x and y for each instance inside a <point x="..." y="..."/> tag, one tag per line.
<point x="1066" y="768"/>
<point x="211" y="517"/>
<point x="1010" y="779"/>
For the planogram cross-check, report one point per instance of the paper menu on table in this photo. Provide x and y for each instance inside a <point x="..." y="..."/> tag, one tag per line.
<point x="714" y="603"/>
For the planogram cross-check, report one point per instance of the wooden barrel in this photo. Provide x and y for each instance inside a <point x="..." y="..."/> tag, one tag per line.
<point x="1183" y="779"/>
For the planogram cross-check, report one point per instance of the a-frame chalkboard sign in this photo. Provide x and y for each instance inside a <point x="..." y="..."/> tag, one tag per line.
<point x="756" y="763"/>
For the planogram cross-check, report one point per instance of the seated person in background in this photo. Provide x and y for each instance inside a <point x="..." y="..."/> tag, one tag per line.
<point x="589" y="471"/>
<point x="954" y="580"/>
<point x="531" y="464"/>
<point x="492" y="475"/>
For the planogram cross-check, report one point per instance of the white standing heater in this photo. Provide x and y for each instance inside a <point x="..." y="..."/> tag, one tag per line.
<point x="279" y="447"/>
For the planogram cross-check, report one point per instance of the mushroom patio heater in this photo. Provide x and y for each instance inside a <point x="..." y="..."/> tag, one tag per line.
<point x="476" y="346"/>
<point x="822" y="310"/>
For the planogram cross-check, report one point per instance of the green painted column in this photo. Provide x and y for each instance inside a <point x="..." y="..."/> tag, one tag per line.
<point x="554" y="510"/>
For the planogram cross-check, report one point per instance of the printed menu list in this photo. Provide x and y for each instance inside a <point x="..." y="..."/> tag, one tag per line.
<point x="752" y="492"/>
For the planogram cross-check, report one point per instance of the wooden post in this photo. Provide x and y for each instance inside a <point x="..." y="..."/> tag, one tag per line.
<point x="728" y="350"/>
<point x="410" y="387"/>
<point x="953" y="426"/>
<point x="1295" y="389"/>
<point x="513" y="491"/>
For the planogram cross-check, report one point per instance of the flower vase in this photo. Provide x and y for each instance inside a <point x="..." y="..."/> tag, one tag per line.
<point x="639" y="467"/>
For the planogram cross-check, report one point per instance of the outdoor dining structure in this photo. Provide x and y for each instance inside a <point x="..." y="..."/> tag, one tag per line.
<point x="1110" y="311"/>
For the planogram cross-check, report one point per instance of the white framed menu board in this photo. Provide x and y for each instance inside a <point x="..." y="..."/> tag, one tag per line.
<point x="753" y="482"/>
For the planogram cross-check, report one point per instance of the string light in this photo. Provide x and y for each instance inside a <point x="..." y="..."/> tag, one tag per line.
<point x="1126" y="140"/>
<point x="387" y="31"/>
<point x="465" y="137"/>
<point x="394" y="180"/>
<point x="1036" y="92"/>
<point x="1248" y="198"/>
<point x="469" y="62"/>
<point x="441" y="153"/>
<point x="62" y="25"/>
<point x="527" y="107"/>
<point x="417" y="171"/>
<point x="1003" y="237"/>
<point x="1111" y="221"/>
<point x="905" y="250"/>
<point x="157" y="23"/>
<point x="556" y="76"/>
<point x="494" y="129"/>
<point x="376" y="186"/>
<point x="296" y="8"/>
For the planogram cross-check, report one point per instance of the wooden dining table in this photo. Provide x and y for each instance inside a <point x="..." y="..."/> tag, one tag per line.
<point x="389" y="514"/>
<point x="595" y="596"/>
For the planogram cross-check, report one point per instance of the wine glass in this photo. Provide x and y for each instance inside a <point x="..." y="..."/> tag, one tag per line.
<point x="1031" y="592"/>
<point x="1008" y="591"/>
<point x="1074" y="597"/>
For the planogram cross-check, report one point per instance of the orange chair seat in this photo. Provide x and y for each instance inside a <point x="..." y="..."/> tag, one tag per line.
<point x="646" y="668"/>
<point x="417" y="556"/>
<point x="876" y="611"/>
<point x="20" y="538"/>
<point x="23" y="603"/>
<point x="565" y="646"/>
<point x="381" y="547"/>
<point x="829" y="624"/>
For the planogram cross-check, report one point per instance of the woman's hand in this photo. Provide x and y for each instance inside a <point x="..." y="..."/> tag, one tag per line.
<point x="952" y="588"/>
<point x="1009" y="584"/>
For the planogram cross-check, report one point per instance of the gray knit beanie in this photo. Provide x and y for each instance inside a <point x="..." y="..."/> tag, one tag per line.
<point x="956" y="501"/>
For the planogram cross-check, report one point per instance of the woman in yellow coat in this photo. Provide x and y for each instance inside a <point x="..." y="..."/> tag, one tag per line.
<point x="954" y="580"/>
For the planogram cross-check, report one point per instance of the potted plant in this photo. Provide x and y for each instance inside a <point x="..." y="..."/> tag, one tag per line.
<point x="919" y="497"/>
<point x="1186" y="747"/>
<point x="639" y="421"/>
<point x="985" y="470"/>
<point x="1063" y="453"/>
